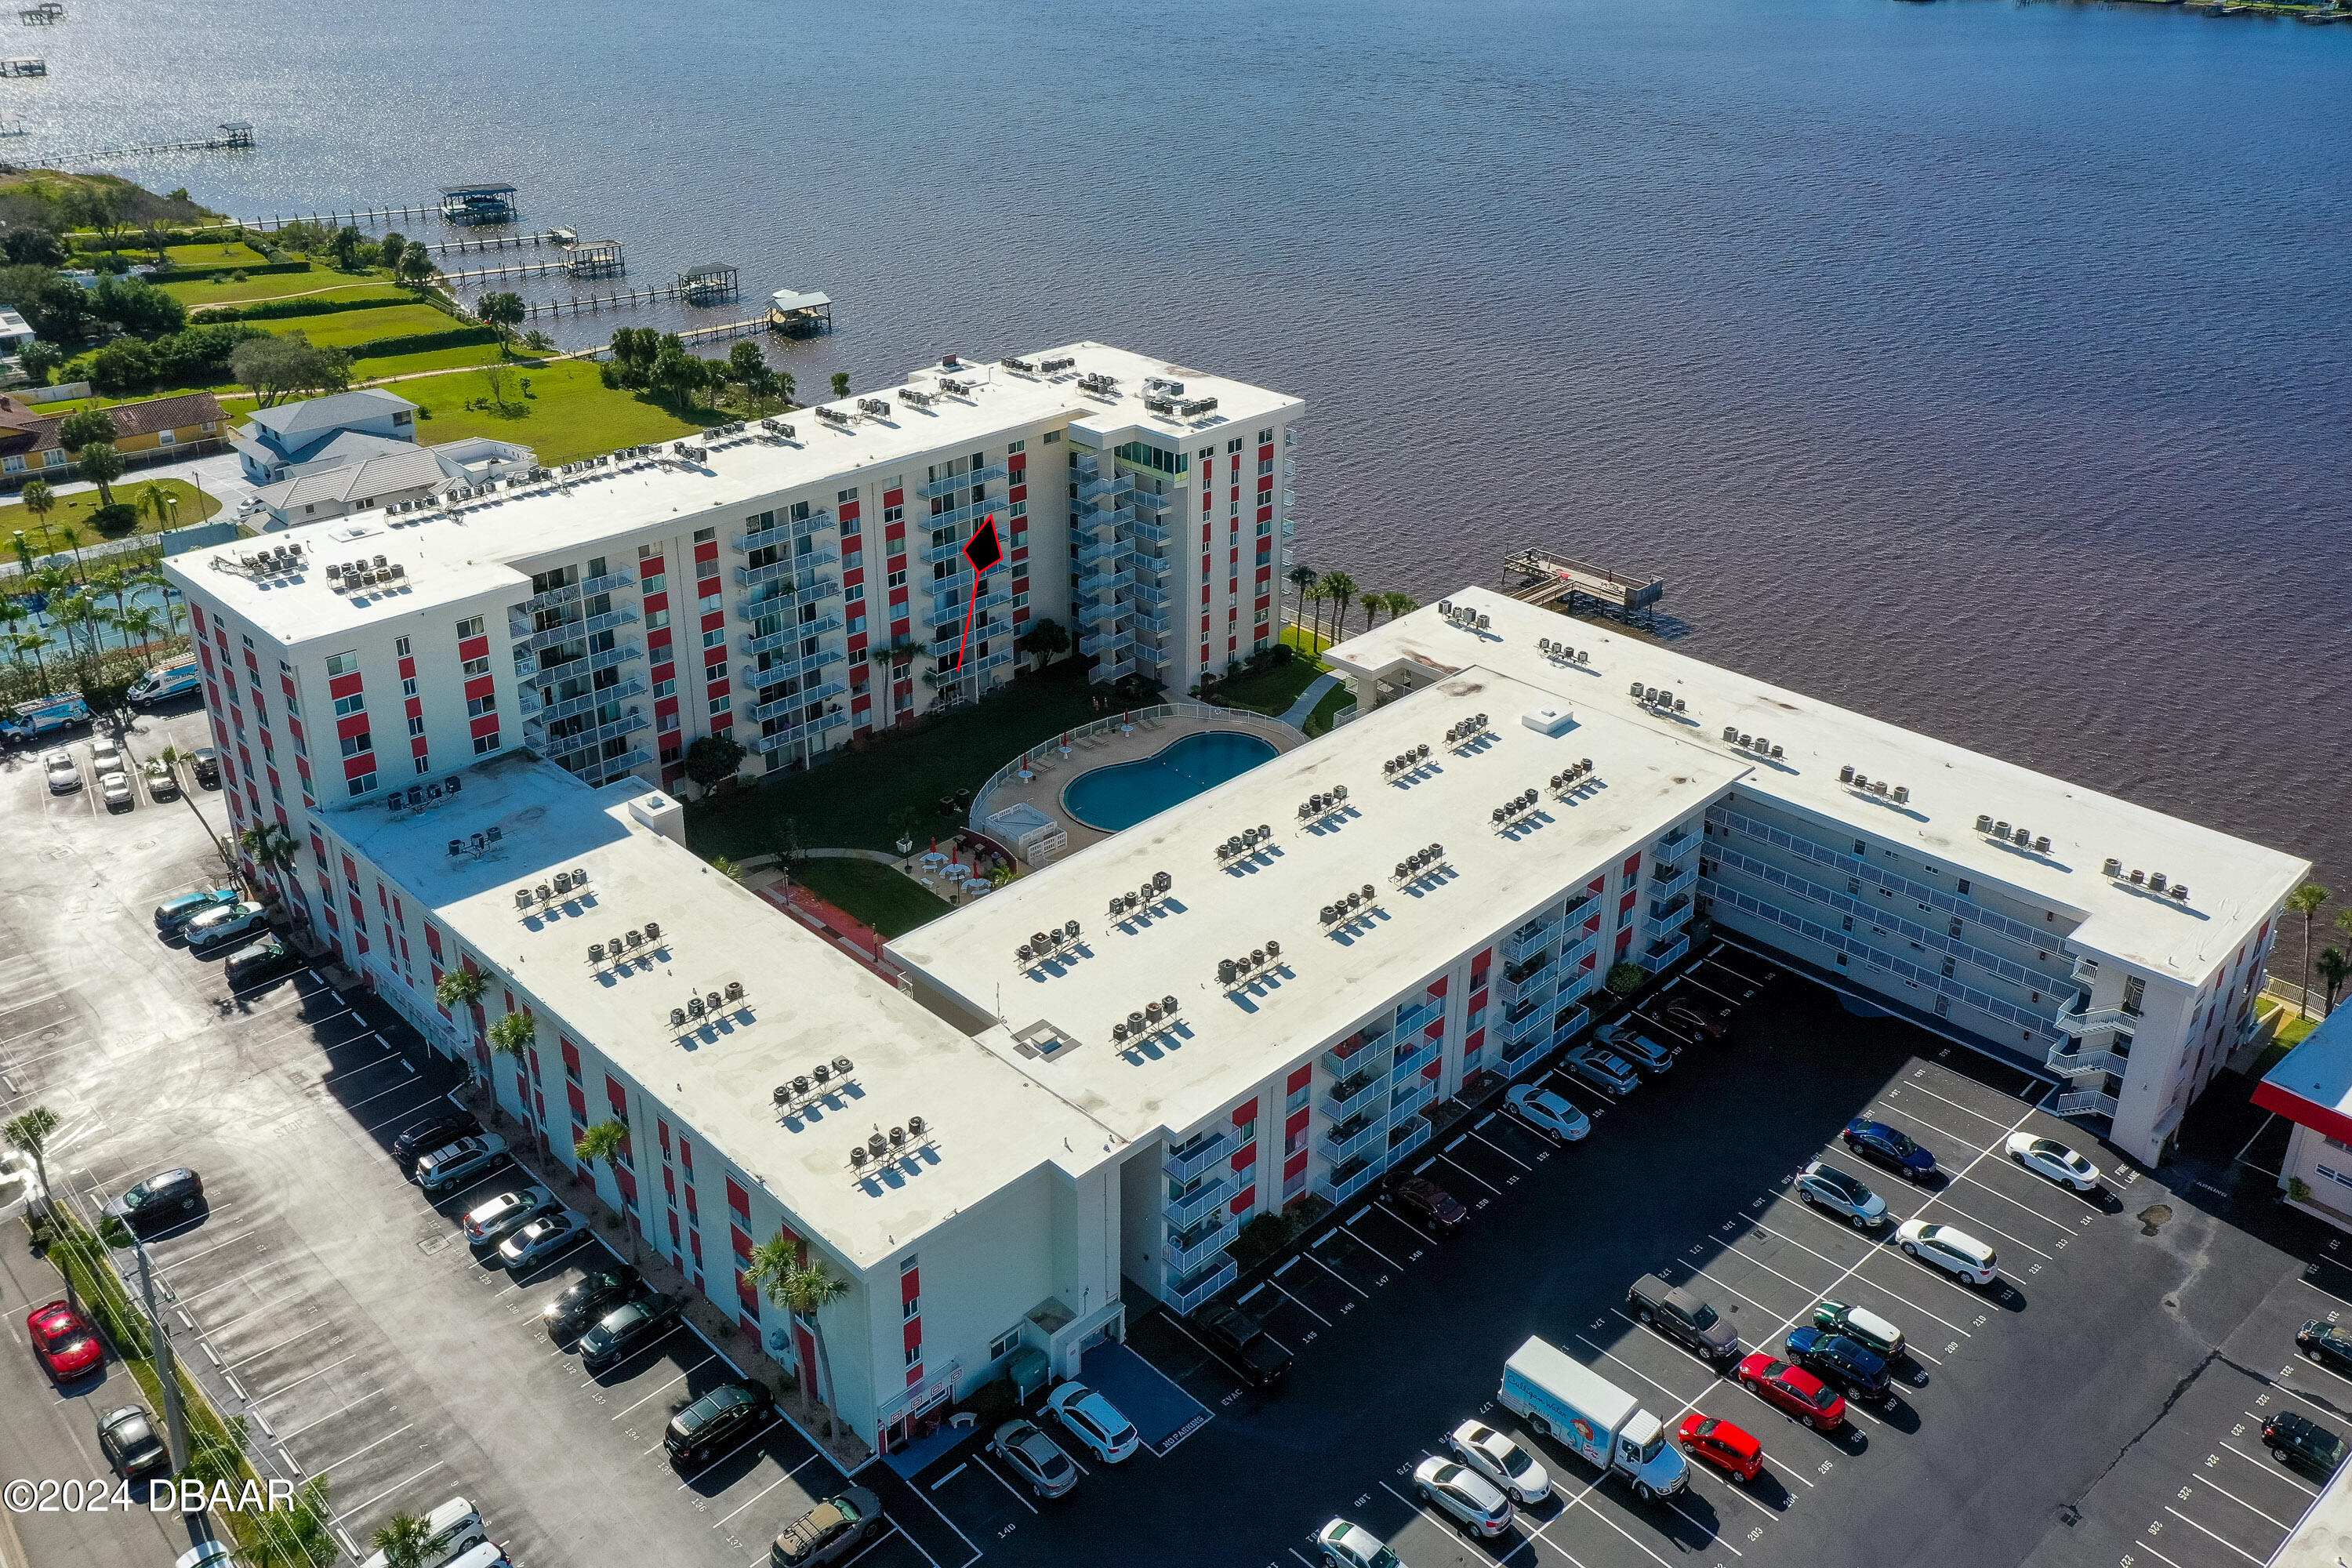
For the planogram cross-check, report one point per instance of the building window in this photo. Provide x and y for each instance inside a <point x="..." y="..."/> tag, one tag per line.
<point x="2134" y="994"/>
<point x="424" y="762"/>
<point x="478" y="706"/>
<point x="485" y="744"/>
<point x="845" y="496"/>
<point x="1004" y="1345"/>
<point x="354" y="744"/>
<point x="362" y="783"/>
<point x="915" y="1354"/>
<point x="338" y="664"/>
<point x="705" y="535"/>
<point x="914" y="1305"/>
<point x="474" y="667"/>
<point x="347" y="705"/>
<point x="470" y="628"/>
<point x="399" y="646"/>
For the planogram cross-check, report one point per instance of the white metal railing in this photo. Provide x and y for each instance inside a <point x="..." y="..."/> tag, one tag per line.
<point x="1526" y="1025"/>
<point x="1152" y="594"/>
<point x="1183" y="1164"/>
<point x="535" y="736"/>
<point x="605" y="768"/>
<point x="1675" y="883"/>
<point x="1107" y="610"/>
<point x="1184" y="1297"/>
<point x="789" y="669"/>
<point x="1662" y="954"/>
<point x="1575" y="1019"/>
<point x="1104" y="674"/>
<point x="1106" y="642"/>
<point x="772" y="641"/>
<point x="971" y="669"/>
<point x="1415" y="1016"/>
<point x="1105" y="550"/>
<point x="1186" y="1258"/>
<point x="1412" y="1099"/>
<point x="1345" y="1142"/>
<point x="1419" y="1057"/>
<point x="1229" y="718"/>
<point x="546" y="601"/>
<point x="1411" y="1141"/>
<point x="571" y="708"/>
<point x="1150" y="500"/>
<point x="2085" y="1102"/>
<point x="1184" y="1212"/>
<point x="971" y="480"/>
<point x="797" y="733"/>
<point x="1338" y="1189"/>
<point x="1674" y="846"/>
<point x="2070" y="1062"/>
<point x="790" y="566"/>
<point x="760" y="712"/>
<point x="1530" y="938"/>
<point x="608" y="582"/>
<point x="782" y="532"/>
<point x="2071" y="1022"/>
<point x="572" y="670"/>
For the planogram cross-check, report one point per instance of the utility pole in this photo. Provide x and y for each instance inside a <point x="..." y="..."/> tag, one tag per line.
<point x="175" y="1420"/>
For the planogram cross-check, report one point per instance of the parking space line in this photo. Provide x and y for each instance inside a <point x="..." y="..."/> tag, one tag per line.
<point x="1987" y="1225"/>
<point x="2241" y="1502"/>
<point x="2160" y="1556"/>
<point x="990" y="1471"/>
<point x="323" y="1322"/>
<point x="223" y="1285"/>
<point x="689" y="1372"/>
<point x="2333" y="1375"/>
<point x="772" y="1486"/>
<point x="755" y="1437"/>
<point x="356" y="1453"/>
<point x="1465" y="1170"/>
<point x="330" y="1415"/>
<point x="2202" y="1531"/>
<point x="2269" y="1469"/>
<point x="1876" y="1250"/>
<point x="1893" y="1107"/>
<point x="1433" y="1518"/>
<point x="1337" y="1275"/>
<point x="1497" y="1148"/>
<point x="1687" y="1399"/>
<point x="257" y="1399"/>
<point x="353" y="1513"/>
<point x="379" y="1094"/>
<point x="1367" y="1245"/>
<point x="1803" y="1288"/>
<point x="1910" y="1083"/>
<point x="1582" y="1502"/>
<point x="167" y="1266"/>
<point x="1205" y="1350"/>
<point x="2029" y="1208"/>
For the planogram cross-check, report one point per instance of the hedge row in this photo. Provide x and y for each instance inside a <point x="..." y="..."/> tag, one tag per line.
<point x="422" y="343"/>
<point x="211" y="274"/>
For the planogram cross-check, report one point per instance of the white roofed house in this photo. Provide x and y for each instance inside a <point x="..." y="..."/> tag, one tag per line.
<point x="277" y="440"/>
<point x="357" y="472"/>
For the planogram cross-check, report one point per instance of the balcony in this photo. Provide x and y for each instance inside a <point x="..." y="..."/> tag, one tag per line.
<point x="1289" y="527"/>
<point x="1366" y="1130"/>
<point x="1151" y="503"/>
<point x="1576" y="947"/>
<point x="608" y="768"/>
<point x="1676" y="884"/>
<point x="1158" y="626"/>
<point x="1106" y="642"/>
<point x="1158" y="657"/>
<point x="782" y="532"/>
<point x="1405" y="1139"/>
<point x="571" y="708"/>
<point x="1094" y="615"/>
<point x="572" y="669"/>
<point x="1412" y="1098"/>
<point x="1196" y="1205"/>
<point x="1665" y="919"/>
<point x="788" y="669"/>
<point x="1149" y="594"/>
<point x="791" y="637"/>
<point x="2076" y="1020"/>
<point x="566" y="595"/>
<point x="1113" y="549"/>
<point x="1532" y="984"/>
<point x="1094" y="490"/>
<point x="2085" y="1102"/>
<point x="1344" y="1182"/>
<point x="784" y="707"/>
<point x="772" y="604"/>
<point x="1662" y="953"/>
<point x="1106" y="582"/>
<point x="1104" y="674"/>
<point x="610" y="582"/>
<point x="1196" y="1157"/>
<point x="1367" y="1055"/>
<point x="973" y="667"/>
<point x="2087" y="970"/>
<point x="791" y="566"/>
<point x="942" y="612"/>
<point x="798" y="734"/>
<point x="941" y="487"/>
<point x="964" y="514"/>
<point x="1186" y="1295"/>
<point x="577" y="631"/>
<point x="1515" y="1051"/>
<point x="1415" y="1016"/>
<point x="950" y="550"/>
<point x="2069" y="1062"/>
<point x="1530" y="939"/>
<point x="1348" y="1097"/>
<point x="1423" y="1053"/>
<point x="1154" y="532"/>
<point x="535" y="736"/>
<point x="1569" y="1024"/>
<point x="1672" y="846"/>
<point x="1525" y="1026"/>
<point x="1288" y="500"/>
<point x="1189" y="1253"/>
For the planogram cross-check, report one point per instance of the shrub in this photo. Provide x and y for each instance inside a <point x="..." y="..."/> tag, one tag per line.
<point x="1262" y="1238"/>
<point x="1624" y="979"/>
<point x="115" y="521"/>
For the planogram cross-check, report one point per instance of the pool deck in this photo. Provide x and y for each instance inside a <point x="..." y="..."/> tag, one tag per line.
<point x="1112" y="746"/>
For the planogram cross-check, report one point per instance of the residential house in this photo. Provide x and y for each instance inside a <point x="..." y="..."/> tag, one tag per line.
<point x="153" y="431"/>
<point x="281" y="438"/>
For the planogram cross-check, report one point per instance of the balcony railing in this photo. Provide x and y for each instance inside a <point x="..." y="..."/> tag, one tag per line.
<point x="2085" y="1102"/>
<point x="1530" y="938"/>
<point x="1528" y="1025"/>
<point x="790" y="566"/>
<point x="1094" y="490"/>
<point x="2068" y="1062"/>
<point x="1189" y="1210"/>
<point x="789" y="669"/>
<point x="1188" y="1254"/>
<point x="1423" y="1052"/>
<point x="782" y="532"/>
<point x="782" y="707"/>
<point x="943" y="611"/>
<point x="1662" y="953"/>
<point x="1369" y="1055"/>
<point x="1413" y="1017"/>
<point x="1187" y="1295"/>
<point x="1152" y="594"/>
<point x="972" y="667"/>
<point x="535" y="736"/>
<point x="769" y="604"/>
<point x="1663" y="921"/>
<point x="1094" y="615"/>
<point x="572" y="669"/>
<point x="1570" y="1023"/>
<point x="1112" y="549"/>
<point x="1104" y="674"/>
<point x="1106" y="582"/>
<point x="1405" y="1139"/>
<point x="571" y="708"/>
<point x="2087" y="970"/>
<point x="1157" y="533"/>
<point x="1344" y="1182"/>
<point x="546" y="601"/>
<point x="1151" y="501"/>
<point x="1412" y="1098"/>
<point x="961" y="481"/>
<point x="606" y="768"/>
<point x="1156" y="656"/>
<point x="1350" y="1095"/>
<point x="1193" y="1158"/>
<point x="791" y="637"/>
<point x="611" y="582"/>
<point x="1106" y="642"/>
<point x="1347" y="1139"/>
<point x="933" y="554"/>
<point x="796" y="734"/>
<point x="1674" y="884"/>
<point x="1674" y="846"/>
<point x="576" y="631"/>
<point x="1534" y="984"/>
<point x="2074" y="1019"/>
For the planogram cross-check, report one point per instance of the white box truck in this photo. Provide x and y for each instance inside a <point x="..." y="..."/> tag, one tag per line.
<point x="1575" y="1406"/>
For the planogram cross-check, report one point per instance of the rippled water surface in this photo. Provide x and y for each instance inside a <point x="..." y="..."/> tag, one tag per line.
<point x="1980" y="366"/>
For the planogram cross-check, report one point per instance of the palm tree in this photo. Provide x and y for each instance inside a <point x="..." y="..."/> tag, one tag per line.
<point x="142" y="623"/>
<point x="66" y="534"/>
<point x="113" y="580"/>
<point x="29" y="1134"/>
<point x="1312" y="594"/>
<point x="802" y="1290"/>
<point x="841" y="383"/>
<point x="1342" y="590"/>
<point x="459" y="987"/>
<point x="173" y="758"/>
<point x="605" y="1142"/>
<point x="40" y="500"/>
<point x="2306" y="902"/>
<point x="295" y="1537"/>
<point x="402" y="1540"/>
<point x="2335" y="968"/>
<point x="513" y="1034"/>
<point x="1402" y="604"/>
<point x="73" y="610"/>
<point x="271" y="848"/>
<point x="19" y="644"/>
<point x="156" y="501"/>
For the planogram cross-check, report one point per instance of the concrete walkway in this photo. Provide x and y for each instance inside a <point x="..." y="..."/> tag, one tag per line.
<point x="1296" y="715"/>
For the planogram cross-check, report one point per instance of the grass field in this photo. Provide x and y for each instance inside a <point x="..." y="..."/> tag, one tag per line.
<point x="196" y="507"/>
<point x="322" y="294"/>
<point x="376" y="366"/>
<point x="573" y="413"/>
<point x="235" y="254"/>
<point x="874" y="893"/>
<point x="222" y="293"/>
<point x="344" y="328"/>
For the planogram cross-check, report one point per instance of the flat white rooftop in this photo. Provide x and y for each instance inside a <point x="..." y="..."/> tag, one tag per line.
<point x="1327" y="983"/>
<point x="803" y="1004"/>
<point x="2233" y="883"/>
<point x="447" y="559"/>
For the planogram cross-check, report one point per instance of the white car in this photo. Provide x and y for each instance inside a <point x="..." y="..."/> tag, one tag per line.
<point x="1603" y="1069"/>
<point x="216" y="927"/>
<point x="509" y="1212"/>
<point x="64" y="777"/>
<point x="160" y="783"/>
<point x="1500" y="1460"/>
<point x="1345" y="1545"/>
<point x="541" y="1238"/>
<point x="446" y="1167"/>
<point x="105" y="757"/>
<point x="1548" y="1111"/>
<point x="1827" y="1188"/>
<point x="1476" y="1503"/>
<point x="116" y="789"/>
<point x="1954" y="1251"/>
<point x="2048" y="1157"/>
<point x="1094" y="1421"/>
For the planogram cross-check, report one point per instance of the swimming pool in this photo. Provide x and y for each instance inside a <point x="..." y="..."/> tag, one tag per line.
<point x="1124" y="794"/>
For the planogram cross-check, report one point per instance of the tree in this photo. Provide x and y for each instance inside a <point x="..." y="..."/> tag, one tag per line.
<point x="28" y="1134"/>
<point x="536" y="341"/>
<point x="1402" y="604"/>
<point x="295" y="1537"/>
<point x="676" y="372"/>
<point x="144" y="624"/>
<point x="459" y="987"/>
<point x="70" y="611"/>
<point x="713" y="759"/>
<point x="502" y="314"/>
<point x="1302" y="577"/>
<point x="40" y="500"/>
<point x="84" y="427"/>
<point x="2306" y="902"/>
<point x="513" y="1034"/>
<point x="1316" y="594"/>
<point x="415" y="266"/>
<point x="728" y="870"/>
<point x="841" y="383"/>
<point x="126" y="364"/>
<point x="2334" y="968"/>
<point x="780" y="386"/>
<point x="41" y="361"/>
<point x="345" y="247"/>
<point x="747" y="367"/>
<point x="22" y="643"/>
<point x="392" y="252"/>
<point x="271" y="848"/>
<point x="284" y="363"/>
<point x="156" y="235"/>
<point x="1340" y="589"/>
<point x="634" y="349"/>
<point x="157" y="499"/>
<point x="603" y="1141"/>
<point x="1624" y="979"/>
<point x="111" y="580"/>
<point x="1047" y="639"/>
<point x="402" y="1540"/>
<point x="102" y="465"/>
<point x="174" y="759"/>
<point x="802" y="1290"/>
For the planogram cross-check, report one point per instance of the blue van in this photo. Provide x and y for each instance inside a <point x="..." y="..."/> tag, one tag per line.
<point x="42" y="715"/>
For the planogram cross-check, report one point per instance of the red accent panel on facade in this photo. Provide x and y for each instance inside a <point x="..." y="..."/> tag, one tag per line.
<point x="1246" y="1114"/>
<point x="479" y="686"/>
<point x="737" y="1198"/>
<point x="579" y="1101"/>
<point x="343" y="685"/>
<point x="1247" y="1159"/>
<point x="909" y="1285"/>
<point x="913" y="1334"/>
<point x="473" y="647"/>
<point x="1300" y="1079"/>
<point x="1246" y="1201"/>
<point x="354" y="767"/>
<point x="487" y="724"/>
<point x="1437" y="987"/>
<point x="1294" y="1165"/>
<point x="350" y="724"/>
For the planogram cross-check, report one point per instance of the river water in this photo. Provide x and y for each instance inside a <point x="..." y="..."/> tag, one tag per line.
<point x="1980" y="366"/>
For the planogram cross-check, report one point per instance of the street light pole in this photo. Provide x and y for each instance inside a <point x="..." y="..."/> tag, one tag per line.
<point x="118" y="1234"/>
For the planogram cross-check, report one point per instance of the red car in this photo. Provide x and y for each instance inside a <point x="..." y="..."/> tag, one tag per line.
<point x="1727" y="1447"/>
<point x="66" y="1341"/>
<point x="1794" y="1390"/>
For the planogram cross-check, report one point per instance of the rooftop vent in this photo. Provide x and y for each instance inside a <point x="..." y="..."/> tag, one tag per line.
<point x="1048" y="366"/>
<point x="1023" y="365"/>
<point x="1096" y="382"/>
<point x="2110" y="867"/>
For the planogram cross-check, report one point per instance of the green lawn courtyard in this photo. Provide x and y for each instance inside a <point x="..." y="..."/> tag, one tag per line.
<point x="74" y="509"/>
<point x="877" y="894"/>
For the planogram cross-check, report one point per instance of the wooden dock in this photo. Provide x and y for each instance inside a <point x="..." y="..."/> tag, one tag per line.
<point x="702" y="286"/>
<point x="503" y="242"/>
<point x="729" y="330"/>
<point x="235" y="136"/>
<point x="1549" y="578"/>
<point x="369" y="218"/>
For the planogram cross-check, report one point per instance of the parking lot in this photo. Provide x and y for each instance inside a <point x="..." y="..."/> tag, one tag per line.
<point x="316" y="1292"/>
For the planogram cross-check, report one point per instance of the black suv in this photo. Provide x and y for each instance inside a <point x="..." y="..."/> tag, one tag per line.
<point x="273" y="960"/>
<point x="1243" y="1341"/>
<point x="716" y="1421"/>
<point x="2299" y="1440"/>
<point x="438" y="1131"/>
<point x="1842" y="1363"/>
<point x="1683" y="1318"/>
<point x="162" y="1199"/>
<point x="2326" y="1344"/>
<point x="583" y="1304"/>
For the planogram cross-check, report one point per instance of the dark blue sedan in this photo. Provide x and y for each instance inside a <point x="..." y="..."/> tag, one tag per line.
<point x="1883" y="1146"/>
<point x="1842" y="1363"/>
